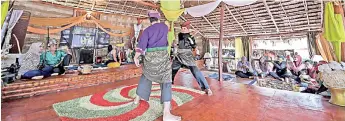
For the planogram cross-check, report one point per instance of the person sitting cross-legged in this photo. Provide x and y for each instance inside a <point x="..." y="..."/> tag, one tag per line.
<point x="51" y="62"/>
<point x="244" y="68"/>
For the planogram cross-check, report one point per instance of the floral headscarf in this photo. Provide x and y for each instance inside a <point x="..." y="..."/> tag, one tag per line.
<point x="31" y="59"/>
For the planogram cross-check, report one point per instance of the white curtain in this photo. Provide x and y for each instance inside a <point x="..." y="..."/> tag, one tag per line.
<point x="16" y="14"/>
<point x="4" y="26"/>
<point x="137" y="29"/>
<point x="202" y="10"/>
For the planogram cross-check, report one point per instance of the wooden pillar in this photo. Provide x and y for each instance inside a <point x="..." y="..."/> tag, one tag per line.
<point x="220" y="53"/>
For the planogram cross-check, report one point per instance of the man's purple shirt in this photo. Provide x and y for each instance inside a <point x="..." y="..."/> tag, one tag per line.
<point x="155" y="35"/>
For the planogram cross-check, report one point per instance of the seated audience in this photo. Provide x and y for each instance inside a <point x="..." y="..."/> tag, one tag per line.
<point x="261" y="69"/>
<point x="280" y="69"/>
<point x="113" y="55"/>
<point x="244" y="68"/>
<point x="51" y="62"/>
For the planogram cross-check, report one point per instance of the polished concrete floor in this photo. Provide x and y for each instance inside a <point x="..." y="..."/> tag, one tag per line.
<point x="231" y="102"/>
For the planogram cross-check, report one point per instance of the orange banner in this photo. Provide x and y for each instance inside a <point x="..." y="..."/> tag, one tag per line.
<point x="74" y="21"/>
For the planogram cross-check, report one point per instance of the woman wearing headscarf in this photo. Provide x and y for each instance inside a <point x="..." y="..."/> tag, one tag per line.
<point x="297" y="65"/>
<point x="244" y="68"/>
<point x="31" y="59"/>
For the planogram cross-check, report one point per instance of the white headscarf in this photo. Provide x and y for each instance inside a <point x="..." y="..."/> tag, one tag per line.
<point x="30" y="59"/>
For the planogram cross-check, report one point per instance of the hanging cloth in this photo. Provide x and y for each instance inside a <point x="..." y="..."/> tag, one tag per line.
<point x="202" y="10"/>
<point x="137" y="29"/>
<point x="16" y="14"/>
<point x="171" y="10"/>
<point x="172" y="15"/>
<point x="4" y="10"/>
<point x="238" y="48"/>
<point x="334" y="28"/>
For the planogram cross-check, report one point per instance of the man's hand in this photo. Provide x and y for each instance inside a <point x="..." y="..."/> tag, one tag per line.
<point x="136" y="59"/>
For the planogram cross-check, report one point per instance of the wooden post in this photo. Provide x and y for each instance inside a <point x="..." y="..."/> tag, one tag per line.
<point x="220" y="53"/>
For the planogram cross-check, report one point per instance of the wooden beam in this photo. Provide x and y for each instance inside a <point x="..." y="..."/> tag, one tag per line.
<point x="192" y="26"/>
<point x="281" y="5"/>
<point x="146" y="3"/>
<point x="211" y="24"/>
<point x="272" y="18"/>
<point x="235" y="19"/>
<point x="321" y="13"/>
<point x="220" y="53"/>
<point x="306" y="12"/>
<point x="256" y="17"/>
<point x="105" y="8"/>
<point x="123" y="6"/>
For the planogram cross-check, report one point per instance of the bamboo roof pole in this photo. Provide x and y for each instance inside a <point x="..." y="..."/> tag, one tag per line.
<point x="192" y="26"/>
<point x="306" y="12"/>
<point x="105" y="8"/>
<point x="235" y="19"/>
<point x="220" y="53"/>
<point x="123" y="6"/>
<point x="281" y="5"/>
<point x="262" y="27"/>
<point x="272" y="18"/>
<point x="211" y="24"/>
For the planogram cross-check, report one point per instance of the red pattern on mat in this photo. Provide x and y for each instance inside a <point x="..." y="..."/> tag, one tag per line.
<point x="142" y="107"/>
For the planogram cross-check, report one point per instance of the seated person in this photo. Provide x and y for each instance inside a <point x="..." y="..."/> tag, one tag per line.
<point x="306" y="80"/>
<point x="53" y="62"/>
<point x="281" y="70"/>
<point x="113" y="55"/>
<point x="262" y="69"/>
<point x="244" y="68"/>
<point x="30" y="59"/>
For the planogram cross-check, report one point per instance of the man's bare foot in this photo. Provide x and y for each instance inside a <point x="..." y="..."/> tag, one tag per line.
<point x="208" y="92"/>
<point x="136" y="100"/>
<point x="171" y="117"/>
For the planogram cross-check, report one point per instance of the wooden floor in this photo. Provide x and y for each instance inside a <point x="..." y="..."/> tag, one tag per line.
<point x="230" y="102"/>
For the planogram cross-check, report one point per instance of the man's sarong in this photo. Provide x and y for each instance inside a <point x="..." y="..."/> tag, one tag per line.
<point x="157" y="66"/>
<point x="186" y="57"/>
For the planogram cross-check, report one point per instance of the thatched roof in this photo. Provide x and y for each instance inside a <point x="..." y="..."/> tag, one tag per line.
<point x="262" y="19"/>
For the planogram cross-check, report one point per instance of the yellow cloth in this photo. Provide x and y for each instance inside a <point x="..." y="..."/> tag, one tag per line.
<point x="4" y="10"/>
<point x="120" y="45"/>
<point x="238" y="47"/>
<point x="172" y="15"/>
<point x="334" y="28"/>
<point x="113" y="65"/>
<point x="171" y="10"/>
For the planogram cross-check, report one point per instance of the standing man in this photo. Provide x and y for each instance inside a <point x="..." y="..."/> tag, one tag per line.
<point x="153" y="45"/>
<point x="184" y="57"/>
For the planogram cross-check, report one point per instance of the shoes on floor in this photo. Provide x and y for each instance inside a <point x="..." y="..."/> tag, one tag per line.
<point x="37" y="77"/>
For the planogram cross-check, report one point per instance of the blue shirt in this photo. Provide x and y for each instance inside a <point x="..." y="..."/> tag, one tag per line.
<point x="52" y="60"/>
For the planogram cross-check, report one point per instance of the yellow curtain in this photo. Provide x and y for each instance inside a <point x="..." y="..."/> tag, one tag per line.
<point x="238" y="47"/>
<point x="334" y="27"/>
